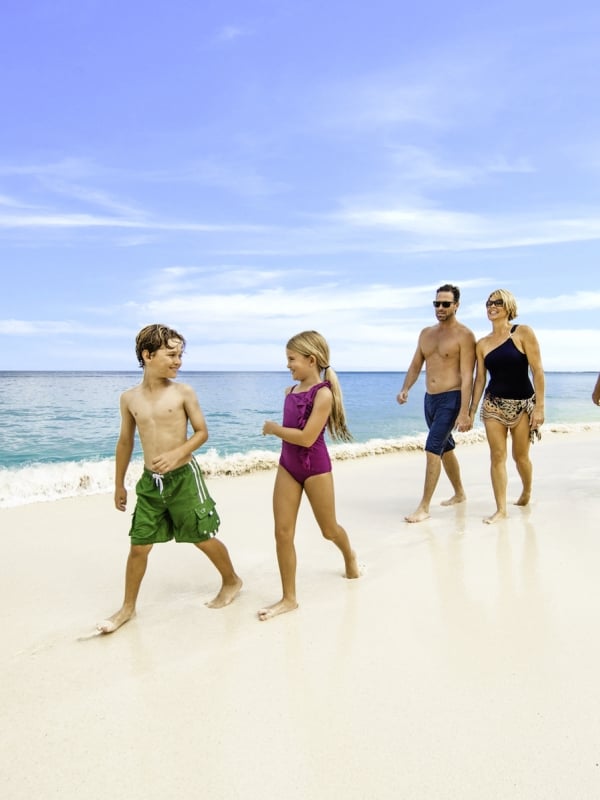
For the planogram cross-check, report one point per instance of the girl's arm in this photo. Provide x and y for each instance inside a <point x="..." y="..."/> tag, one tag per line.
<point x="314" y="425"/>
<point x="531" y="348"/>
<point x="479" y="382"/>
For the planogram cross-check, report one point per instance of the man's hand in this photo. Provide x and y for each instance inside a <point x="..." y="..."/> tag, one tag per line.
<point x="464" y="423"/>
<point x="402" y="396"/>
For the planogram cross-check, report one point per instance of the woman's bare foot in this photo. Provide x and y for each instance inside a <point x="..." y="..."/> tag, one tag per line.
<point x="352" y="567"/>
<point x="228" y="593"/>
<point x="495" y="517"/>
<point x="111" y="624"/>
<point x="419" y="515"/>
<point x="282" y="607"/>
<point x="459" y="497"/>
<point x="523" y="499"/>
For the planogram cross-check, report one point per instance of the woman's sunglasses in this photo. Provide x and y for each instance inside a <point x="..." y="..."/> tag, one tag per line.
<point x="499" y="302"/>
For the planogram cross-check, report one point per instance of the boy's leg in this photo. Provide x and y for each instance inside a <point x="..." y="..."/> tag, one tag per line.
<point x="287" y="494"/>
<point x="216" y="551"/>
<point x="320" y="492"/>
<point x="137" y="561"/>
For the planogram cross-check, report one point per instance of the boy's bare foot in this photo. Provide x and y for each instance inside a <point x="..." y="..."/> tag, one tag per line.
<point x="495" y="517"/>
<point x="352" y="567"/>
<point x="228" y="593"/>
<point x="282" y="607"/>
<point x="456" y="498"/>
<point x="523" y="499"/>
<point x="419" y="515"/>
<point x="111" y="624"/>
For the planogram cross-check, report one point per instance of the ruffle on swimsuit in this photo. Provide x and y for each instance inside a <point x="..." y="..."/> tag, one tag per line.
<point x="509" y="412"/>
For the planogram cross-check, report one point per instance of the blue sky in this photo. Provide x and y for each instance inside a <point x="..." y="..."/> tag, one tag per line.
<point x="245" y="170"/>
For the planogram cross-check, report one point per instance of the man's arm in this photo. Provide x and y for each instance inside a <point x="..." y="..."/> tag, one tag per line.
<point x="479" y="383"/>
<point x="413" y="372"/>
<point x="596" y="392"/>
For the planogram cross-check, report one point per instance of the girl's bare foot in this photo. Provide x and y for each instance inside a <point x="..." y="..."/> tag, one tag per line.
<point x="352" y="567"/>
<point x="419" y="515"/>
<point x="523" y="499"/>
<point x="456" y="498"/>
<point x="495" y="517"/>
<point x="282" y="607"/>
<point x="111" y="624"/>
<point x="228" y="593"/>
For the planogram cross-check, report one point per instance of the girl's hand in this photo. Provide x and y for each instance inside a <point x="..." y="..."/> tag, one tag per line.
<point x="269" y="427"/>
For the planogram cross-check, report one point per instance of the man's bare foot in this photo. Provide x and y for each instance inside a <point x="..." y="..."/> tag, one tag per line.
<point x="495" y="517"/>
<point x="228" y="593"/>
<point x="111" y="624"/>
<point x="352" y="567"/>
<point x="419" y="515"/>
<point x="282" y="607"/>
<point x="523" y="499"/>
<point x="456" y="498"/>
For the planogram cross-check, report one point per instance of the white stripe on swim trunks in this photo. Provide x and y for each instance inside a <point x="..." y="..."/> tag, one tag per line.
<point x="199" y="484"/>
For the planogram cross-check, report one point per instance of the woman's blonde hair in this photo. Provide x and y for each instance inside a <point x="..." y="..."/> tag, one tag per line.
<point x="311" y="343"/>
<point x="510" y="303"/>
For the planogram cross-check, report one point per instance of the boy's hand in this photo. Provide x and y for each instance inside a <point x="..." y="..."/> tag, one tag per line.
<point x="121" y="499"/>
<point x="165" y="462"/>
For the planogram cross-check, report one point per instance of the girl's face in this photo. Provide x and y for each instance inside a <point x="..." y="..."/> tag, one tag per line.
<point x="300" y="366"/>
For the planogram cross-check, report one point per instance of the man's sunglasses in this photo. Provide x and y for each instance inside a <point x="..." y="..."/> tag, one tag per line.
<point x="442" y="303"/>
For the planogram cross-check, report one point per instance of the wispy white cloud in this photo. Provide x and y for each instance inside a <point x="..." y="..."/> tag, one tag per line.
<point x="229" y="33"/>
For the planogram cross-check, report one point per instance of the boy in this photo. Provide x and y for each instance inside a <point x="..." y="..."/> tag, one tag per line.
<point x="167" y="494"/>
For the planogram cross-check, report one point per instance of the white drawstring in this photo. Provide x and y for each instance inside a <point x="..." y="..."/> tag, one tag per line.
<point x="158" y="480"/>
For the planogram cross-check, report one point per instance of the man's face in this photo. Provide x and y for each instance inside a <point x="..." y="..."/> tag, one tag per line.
<point x="446" y="306"/>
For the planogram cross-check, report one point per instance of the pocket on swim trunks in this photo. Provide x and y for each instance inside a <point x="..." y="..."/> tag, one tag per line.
<point x="207" y="518"/>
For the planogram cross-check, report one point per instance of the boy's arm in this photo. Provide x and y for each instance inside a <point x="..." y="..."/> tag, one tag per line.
<point x="123" y="453"/>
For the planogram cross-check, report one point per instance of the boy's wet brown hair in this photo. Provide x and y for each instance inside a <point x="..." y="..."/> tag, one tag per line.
<point x="152" y="338"/>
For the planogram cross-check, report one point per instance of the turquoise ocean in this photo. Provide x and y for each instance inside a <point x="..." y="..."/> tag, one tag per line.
<point x="58" y="429"/>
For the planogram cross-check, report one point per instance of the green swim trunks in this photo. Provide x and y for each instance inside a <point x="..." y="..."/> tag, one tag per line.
<point x="171" y="506"/>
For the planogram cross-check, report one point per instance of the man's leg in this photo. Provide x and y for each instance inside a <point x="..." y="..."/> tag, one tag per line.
<point x="452" y="470"/>
<point x="433" y="469"/>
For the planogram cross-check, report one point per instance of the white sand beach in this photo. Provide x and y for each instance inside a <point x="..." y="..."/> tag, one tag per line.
<point x="463" y="664"/>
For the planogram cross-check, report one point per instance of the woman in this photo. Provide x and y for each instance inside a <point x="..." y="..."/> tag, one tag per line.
<point x="510" y="401"/>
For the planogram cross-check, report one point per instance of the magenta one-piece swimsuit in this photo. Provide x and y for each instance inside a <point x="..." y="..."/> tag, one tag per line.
<point x="303" y="462"/>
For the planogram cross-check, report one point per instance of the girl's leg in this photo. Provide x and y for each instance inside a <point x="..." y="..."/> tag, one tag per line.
<point x="520" y="453"/>
<point x="287" y="494"/>
<point x="496" y="434"/>
<point x="320" y="493"/>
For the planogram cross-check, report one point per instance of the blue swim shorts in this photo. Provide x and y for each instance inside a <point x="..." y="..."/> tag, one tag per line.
<point x="441" y="412"/>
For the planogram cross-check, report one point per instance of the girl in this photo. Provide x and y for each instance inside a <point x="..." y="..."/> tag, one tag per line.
<point x="313" y="404"/>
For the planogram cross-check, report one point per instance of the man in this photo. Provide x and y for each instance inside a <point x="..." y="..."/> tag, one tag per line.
<point x="448" y="352"/>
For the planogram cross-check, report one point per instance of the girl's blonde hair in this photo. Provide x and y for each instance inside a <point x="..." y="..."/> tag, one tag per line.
<point x="510" y="303"/>
<point x="311" y="343"/>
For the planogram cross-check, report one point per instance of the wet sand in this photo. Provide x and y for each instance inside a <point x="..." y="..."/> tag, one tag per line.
<point x="463" y="664"/>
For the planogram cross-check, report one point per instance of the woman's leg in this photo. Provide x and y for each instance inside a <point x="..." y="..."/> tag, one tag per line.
<point x="320" y="493"/>
<point x="287" y="494"/>
<point x="520" y="452"/>
<point x="496" y="434"/>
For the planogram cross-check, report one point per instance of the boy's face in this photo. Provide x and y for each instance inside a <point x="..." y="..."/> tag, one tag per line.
<point x="166" y="361"/>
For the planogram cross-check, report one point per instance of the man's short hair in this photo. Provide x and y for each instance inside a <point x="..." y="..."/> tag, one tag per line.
<point x="448" y="287"/>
